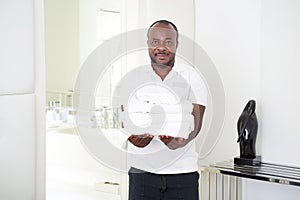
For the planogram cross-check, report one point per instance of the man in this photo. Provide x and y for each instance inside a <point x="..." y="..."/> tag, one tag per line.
<point x="155" y="100"/>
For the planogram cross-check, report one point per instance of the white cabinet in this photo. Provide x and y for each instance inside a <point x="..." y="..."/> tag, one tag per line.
<point x="21" y="67"/>
<point x="17" y="147"/>
<point x="17" y="47"/>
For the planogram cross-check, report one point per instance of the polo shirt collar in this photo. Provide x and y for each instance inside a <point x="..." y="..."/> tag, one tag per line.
<point x="172" y="73"/>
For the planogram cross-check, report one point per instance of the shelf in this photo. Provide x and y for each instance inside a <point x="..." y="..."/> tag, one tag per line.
<point x="269" y="172"/>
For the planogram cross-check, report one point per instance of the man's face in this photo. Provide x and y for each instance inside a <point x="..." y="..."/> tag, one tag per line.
<point x="162" y="44"/>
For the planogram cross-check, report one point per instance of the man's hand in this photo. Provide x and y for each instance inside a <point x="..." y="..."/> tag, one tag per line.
<point x="140" y="140"/>
<point x="173" y="142"/>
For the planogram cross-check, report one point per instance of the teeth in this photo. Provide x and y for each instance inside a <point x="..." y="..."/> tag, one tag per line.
<point x="160" y="54"/>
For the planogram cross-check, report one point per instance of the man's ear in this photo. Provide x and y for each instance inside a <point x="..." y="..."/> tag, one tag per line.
<point x="177" y="44"/>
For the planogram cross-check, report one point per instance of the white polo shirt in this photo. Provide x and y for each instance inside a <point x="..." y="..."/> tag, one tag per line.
<point x="161" y="108"/>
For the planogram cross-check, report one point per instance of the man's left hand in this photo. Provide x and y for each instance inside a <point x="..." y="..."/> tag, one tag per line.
<point x="173" y="142"/>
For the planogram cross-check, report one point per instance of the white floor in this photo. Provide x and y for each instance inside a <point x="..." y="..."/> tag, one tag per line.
<point x="71" y="173"/>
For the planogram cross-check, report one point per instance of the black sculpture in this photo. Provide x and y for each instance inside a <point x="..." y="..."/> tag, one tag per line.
<point x="247" y="132"/>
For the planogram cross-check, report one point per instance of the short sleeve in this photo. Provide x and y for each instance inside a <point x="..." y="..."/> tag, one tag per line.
<point x="123" y="138"/>
<point x="198" y="91"/>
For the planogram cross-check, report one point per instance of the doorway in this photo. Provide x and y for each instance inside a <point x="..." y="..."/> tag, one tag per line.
<point x="73" y="29"/>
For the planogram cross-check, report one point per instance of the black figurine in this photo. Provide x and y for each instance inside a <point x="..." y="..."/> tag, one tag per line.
<point x="247" y="131"/>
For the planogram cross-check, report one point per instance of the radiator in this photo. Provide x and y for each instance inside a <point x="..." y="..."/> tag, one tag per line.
<point x="216" y="186"/>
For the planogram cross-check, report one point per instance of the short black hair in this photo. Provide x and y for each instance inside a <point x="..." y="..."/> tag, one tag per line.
<point x="163" y="21"/>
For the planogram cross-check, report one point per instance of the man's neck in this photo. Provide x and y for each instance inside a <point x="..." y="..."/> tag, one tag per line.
<point x="161" y="70"/>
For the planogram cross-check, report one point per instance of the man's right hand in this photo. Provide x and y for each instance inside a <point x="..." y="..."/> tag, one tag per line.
<point x="140" y="140"/>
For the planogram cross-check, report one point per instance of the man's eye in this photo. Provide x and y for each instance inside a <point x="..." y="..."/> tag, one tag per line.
<point x="168" y="43"/>
<point x="154" y="42"/>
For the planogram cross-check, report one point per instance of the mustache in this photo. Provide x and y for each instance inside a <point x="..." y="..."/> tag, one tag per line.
<point x="170" y="63"/>
<point x="161" y="53"/>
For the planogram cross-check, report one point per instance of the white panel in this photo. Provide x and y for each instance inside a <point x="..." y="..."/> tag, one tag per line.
<point x="229" y="32"/>
<point x="16" y="49"/>
<point x="280" y="80"/>
<point x="17" y="147"/>
<point x="181" y="13"/>
<point x="280" y="47"/>
<point x="62" y="48"/>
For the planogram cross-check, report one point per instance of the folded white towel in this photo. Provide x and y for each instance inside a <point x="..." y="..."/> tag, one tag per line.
<point x="156" y="109"/>
<point x="145" y="119"/>
<point x="172" y="129"/>
<point x="136" y="105"/>
<point x="140" y="106"/>
<point x="157" y="93"/>
<point x="159" y="124"/>
<point x="180" y="108"/>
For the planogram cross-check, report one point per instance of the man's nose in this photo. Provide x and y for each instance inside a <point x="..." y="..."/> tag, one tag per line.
<point x="161" y="45"/>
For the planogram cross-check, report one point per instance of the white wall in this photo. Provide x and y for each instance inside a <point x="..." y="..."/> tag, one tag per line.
<point x="88" y="28"/>
<point x="229" y="32"/>
<point x="173" y="10"/>
<point x="62" y="44"/>
<point x="21" y="100"/>
<point x="255" y="47"/>
<point x="280" y="81"/>
<point x="280" y="47"/>
<point x="92" y="24"/>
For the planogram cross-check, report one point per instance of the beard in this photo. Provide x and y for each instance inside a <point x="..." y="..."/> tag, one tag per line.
<point x="163" y="65"/>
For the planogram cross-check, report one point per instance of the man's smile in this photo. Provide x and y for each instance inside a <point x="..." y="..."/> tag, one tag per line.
<point x="161" y="55"/>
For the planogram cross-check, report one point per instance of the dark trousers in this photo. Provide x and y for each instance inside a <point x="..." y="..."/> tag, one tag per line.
<point x="148" y="186"/>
